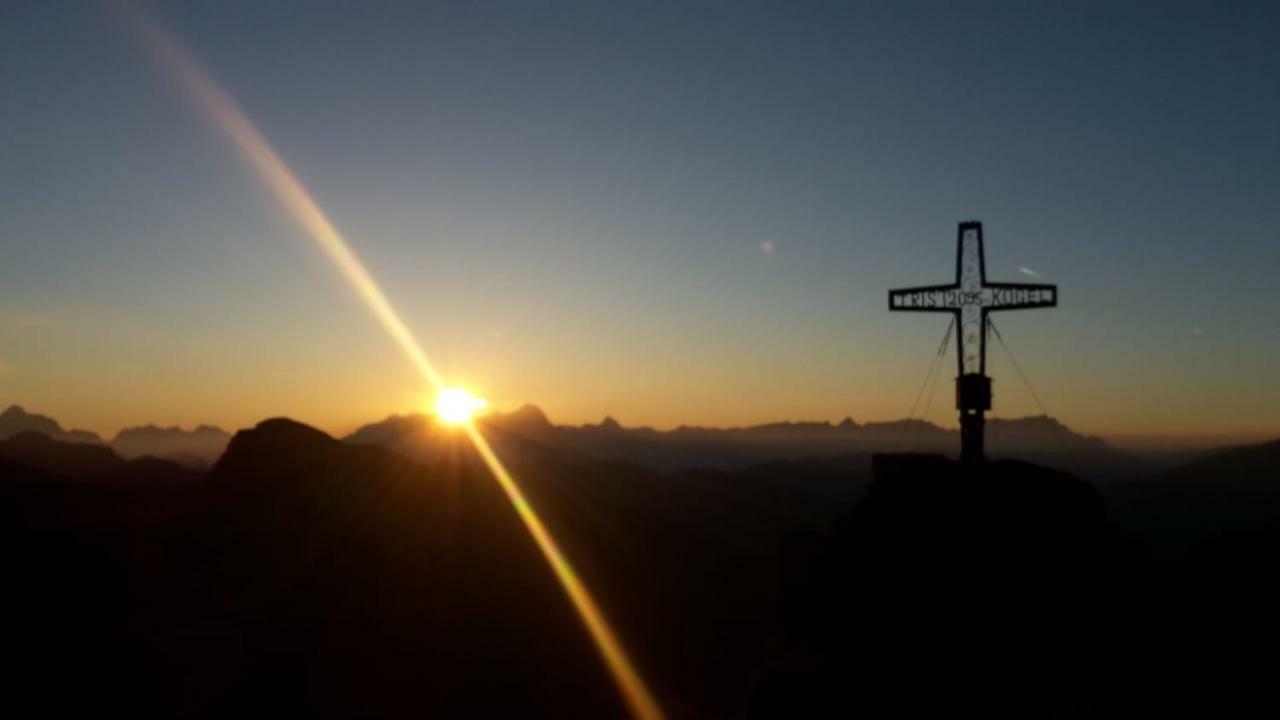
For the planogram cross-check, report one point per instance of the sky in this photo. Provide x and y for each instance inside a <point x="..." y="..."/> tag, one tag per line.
<point x="669" y="213"/>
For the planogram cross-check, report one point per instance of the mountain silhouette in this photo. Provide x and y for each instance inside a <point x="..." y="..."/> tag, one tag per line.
<point x="91" y="463"/>
<point x="198" y="448"/>
<point x="1000" y="591"/>
<point x="1237" y="488"/>
<point x="38" y="450"/>
<point x="384" y="575"/>
<point x="1041" y="440"/>
<point x="1037" y="439"/>
<point x="304" y="574"/>
<point x="1211" y="523"/>
<point x="15" y="420"/>
<point x="1253" y="466"/>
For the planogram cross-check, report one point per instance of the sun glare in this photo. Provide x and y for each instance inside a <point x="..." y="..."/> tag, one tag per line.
<point x="456" y="406"/>
<point x="453" y="405"/>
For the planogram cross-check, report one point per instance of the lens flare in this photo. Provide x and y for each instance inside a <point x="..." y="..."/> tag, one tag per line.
<point x="632" y="686"/>
<point x="230" y="119"/>
<point x="456" y="406"/>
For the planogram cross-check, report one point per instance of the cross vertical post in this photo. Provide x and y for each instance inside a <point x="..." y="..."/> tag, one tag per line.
<point x="969" y="299"/>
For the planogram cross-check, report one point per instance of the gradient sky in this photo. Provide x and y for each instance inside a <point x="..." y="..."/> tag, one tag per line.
<point x="571" y="206"/>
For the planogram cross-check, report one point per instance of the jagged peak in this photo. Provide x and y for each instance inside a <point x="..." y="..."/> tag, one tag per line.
<point x="151" y="428"/>
<point x="15" y="418"/>
<point x="14" y="409"/>
<point x="17" y="412"/>
<point x="528" y="415"/>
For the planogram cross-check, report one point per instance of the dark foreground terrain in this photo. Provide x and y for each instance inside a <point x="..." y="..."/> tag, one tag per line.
<point x="302" y="574"/>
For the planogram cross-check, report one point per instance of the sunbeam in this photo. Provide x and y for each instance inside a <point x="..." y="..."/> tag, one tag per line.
<point x="276" y="175"/>
<point x="641" y="702"/>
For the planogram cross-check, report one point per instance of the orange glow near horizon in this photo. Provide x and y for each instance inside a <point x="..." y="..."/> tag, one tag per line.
<point x="294" y="197"/>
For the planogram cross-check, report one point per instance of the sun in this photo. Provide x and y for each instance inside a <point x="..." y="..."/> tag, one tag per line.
<point x="456" y="406"/>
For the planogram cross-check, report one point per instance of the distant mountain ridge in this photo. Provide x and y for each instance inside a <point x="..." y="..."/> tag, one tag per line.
<point x="1236" y="487"/>
<point x="87" y="462"/>
<point x="198" y="448"/>
<point x="15" y="420"/>
<point x="1039" y="439"/>
<point x="1248" y="467"/>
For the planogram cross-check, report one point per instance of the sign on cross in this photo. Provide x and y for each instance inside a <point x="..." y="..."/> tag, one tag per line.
<point x="969" y="299"/>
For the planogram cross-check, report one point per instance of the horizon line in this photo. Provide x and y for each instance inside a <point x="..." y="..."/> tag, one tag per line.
<point x="1130" y="440"/>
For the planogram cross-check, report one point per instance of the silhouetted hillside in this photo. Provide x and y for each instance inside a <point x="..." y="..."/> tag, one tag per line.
<point x="38" y="450"/>
<point x="1214" y="524"/>
<point x="1237" y="487"/>
<point x="1001" y="592"/>
<point x="198" y="448"/>
<point x="1254" y="466"/>
<point x="311" y="576"/>
<point x="15" y="420"/>
<point x="393" y="587"/>
<point x="308" y="575"/>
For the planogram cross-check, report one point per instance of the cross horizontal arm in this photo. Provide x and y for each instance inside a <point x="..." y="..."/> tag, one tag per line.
<point x="1020" y="296"/>
<point x="928" y="298"/>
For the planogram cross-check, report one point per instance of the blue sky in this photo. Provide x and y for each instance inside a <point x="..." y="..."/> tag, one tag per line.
<point x="568" y="202"/>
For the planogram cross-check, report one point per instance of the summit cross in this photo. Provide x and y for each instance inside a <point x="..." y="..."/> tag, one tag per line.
<point x="969" y="299"/>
